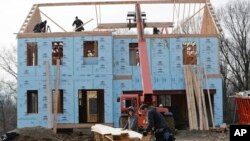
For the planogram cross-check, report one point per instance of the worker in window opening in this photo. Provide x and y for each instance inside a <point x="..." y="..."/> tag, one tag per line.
<point x="132" y="123"/>
<point x="40" y="27"/>
<point x="137" y="58"/>
<point x="79" y="25"/>
<point x="155" y="30"/>
<point x="156" y="123"/>
<point x="90" y="54"/>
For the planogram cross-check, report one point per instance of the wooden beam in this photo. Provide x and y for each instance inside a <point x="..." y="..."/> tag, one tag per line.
<point x="213" y="75"/>
<point x="121" y="2"/>
<point x="205" y="121"/>
<point x="109" y="33"/>
<point x="53" y="21"/>
<point x="125" y="25"/>
<point x="55" y="95"/>
<point x="189" y="107"/>
<point x="176" y="30"/>
<point x="198" y="101"/>
<point x="168" y="36"/>
<point x="82" y="125"/>
<point x="64" y="34"/>
<point x="209" y="97"/>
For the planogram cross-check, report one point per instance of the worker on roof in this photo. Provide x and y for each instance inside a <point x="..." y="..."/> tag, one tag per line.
<point x="79" y="25"/>
<point x="40" y="27"/>
<point x="132" y="123"/>
<point x="156" y="123"/>
<point x="155" y="30"/>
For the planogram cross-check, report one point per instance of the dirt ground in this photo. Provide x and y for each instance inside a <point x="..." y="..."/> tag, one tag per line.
<point x="185" y="135"/>
<point x="42" y="134"/>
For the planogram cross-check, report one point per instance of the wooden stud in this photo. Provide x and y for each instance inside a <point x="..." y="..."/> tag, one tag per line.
<point x="206" y="127"/>
<point x="188" y="98"/>
<point x="191" y="75"/>
<point x="55" y="95"/>
<point x="209" y="97"/>
<point x="198" y="100"/>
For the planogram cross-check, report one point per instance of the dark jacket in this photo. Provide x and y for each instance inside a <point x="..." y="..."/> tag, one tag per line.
<point x="78" y="24"/>
<point x="132" y="123"/>
<point x="40" y="27"/>
<point x="155" y="119"/>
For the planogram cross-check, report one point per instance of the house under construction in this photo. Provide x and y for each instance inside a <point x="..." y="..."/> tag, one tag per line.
<point x="58" y="64"/>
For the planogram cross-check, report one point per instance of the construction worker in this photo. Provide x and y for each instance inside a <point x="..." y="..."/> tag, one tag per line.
<point x="90" y="54"/>
<point x="40" y="27"/>
<point x="156" y="123"/>
<point x="155" y="30"/>
<point x="132" y="123"/>
<point x="79" y="25"/>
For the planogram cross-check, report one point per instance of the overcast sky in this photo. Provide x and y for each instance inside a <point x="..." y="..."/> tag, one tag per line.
<point x="14" y="12"/>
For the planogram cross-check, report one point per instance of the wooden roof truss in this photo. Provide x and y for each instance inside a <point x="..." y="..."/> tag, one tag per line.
<point x="209" y="24"/>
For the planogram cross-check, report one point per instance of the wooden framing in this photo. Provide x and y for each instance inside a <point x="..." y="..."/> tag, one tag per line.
<point x="210" y="24"/>
<point x="73" y="125"/>
<point x="55" y="99"/>
<point x="125" y="25"/>
<point x="31" y="20"/>
<point x="108" y="33"/>
<point x="121" y="2"/>
<point x="53" y="21"/>
<point x="186" y="21"/>
<point x="213" y="75"/>
<point x="64" y="34"/>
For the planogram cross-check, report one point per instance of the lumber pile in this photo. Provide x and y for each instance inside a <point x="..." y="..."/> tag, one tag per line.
<point x="107" y="133"/>
<point x="197" y="111"/>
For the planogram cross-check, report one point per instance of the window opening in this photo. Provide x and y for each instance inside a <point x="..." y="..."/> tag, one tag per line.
<point x="57" y="52"/>
<point x="32" y="54"/>
<point x="32" y="101"/>
<point x="134" y="59"/>
<point x="189" y="54"/>
<point x="59" y="101"/>
<point x="90" y="49"/>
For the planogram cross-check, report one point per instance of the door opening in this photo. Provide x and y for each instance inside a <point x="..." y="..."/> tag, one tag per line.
<point x="91" y="106"/>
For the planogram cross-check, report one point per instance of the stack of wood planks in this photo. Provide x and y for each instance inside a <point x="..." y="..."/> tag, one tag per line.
<point x="107" y="133"/>
<point x="197" y="111"/>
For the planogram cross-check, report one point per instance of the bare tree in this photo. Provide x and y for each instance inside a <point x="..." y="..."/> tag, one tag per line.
<point x="8" y="67"/>
<point x="235" y="49"/>
<point x="8" y="64"/>
<point x="7" y="110"/>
